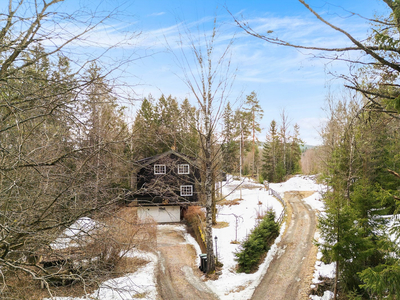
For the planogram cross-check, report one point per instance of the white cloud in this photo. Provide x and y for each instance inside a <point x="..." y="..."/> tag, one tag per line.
<point x="157" y="14"/>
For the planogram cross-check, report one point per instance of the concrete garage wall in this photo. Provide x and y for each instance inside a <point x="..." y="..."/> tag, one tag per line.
<point x="160" y="214"/>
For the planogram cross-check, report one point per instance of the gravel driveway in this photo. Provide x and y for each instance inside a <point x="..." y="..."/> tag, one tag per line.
<point x="178" y="275"/>
<point x="290" y="272"/>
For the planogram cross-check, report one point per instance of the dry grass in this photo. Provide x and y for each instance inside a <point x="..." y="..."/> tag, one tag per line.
<point x="230" y="202"/>
<point x="120" y="232"/>
<point x="129" y="265"/>
<point x="129" y="232"/>
<point x="305" y="194"/>
<point x="260" y="213"/>
<point x="195" y="215"/>
<point x="221" y="225"/>
<point x="23" y="287"/>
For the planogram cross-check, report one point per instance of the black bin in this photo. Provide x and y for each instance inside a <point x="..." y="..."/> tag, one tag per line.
<point x="203" y="262"/>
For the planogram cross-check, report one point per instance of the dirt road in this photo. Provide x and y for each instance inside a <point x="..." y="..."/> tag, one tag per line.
<point x="178" y="276"/>
<point x="290" y="272"/>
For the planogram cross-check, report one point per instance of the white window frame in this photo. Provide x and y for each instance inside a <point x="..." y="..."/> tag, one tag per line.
<point x="186" y="190"/>
<point x="183" y="169"/>
<point x="159" y="169"/>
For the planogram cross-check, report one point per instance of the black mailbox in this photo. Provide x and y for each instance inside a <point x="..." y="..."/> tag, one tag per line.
<point x="203" y="262"/>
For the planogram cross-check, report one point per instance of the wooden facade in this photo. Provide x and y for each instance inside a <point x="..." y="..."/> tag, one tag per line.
<point x="168" y="178"/>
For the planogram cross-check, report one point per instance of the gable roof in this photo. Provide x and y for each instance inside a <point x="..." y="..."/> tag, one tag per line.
<point x="149" y="160"/>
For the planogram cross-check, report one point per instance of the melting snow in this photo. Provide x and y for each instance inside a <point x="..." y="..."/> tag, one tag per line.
<point x="230" y="285"/>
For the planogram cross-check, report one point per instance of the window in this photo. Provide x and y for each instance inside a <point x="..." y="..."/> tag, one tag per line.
<point x="186" y="190"/>
<point x="159" y="169"/>
<point x="183" y="169"/>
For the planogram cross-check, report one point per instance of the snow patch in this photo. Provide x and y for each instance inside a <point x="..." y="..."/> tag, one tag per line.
<point x="78" y="231"/>
<point x="141" y="284"/>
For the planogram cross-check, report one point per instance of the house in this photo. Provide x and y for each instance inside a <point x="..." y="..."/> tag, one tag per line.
<point x="165" y="185"/>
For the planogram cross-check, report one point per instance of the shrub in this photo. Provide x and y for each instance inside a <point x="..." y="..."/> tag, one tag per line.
<point x="195" y="215"/>
<point x="122" y="233"/>
<point x="257" y="244"/>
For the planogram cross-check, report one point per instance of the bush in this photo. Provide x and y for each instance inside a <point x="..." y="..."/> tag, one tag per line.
<point x="195" y="215"/>
<point x="257" y="244"/>
<point x="122" y="232"/>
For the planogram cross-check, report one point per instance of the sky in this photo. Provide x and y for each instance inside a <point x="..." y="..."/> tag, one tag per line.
<point x="147" y="34"/>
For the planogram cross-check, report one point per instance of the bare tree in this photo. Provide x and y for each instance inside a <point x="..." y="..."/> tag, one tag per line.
<point x="378" y="78"/>
<point x="46" y="182"/>
<point x="207" y="73"/>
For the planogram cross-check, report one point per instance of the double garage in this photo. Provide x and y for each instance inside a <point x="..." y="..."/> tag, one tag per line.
<point x="161" y="214"/>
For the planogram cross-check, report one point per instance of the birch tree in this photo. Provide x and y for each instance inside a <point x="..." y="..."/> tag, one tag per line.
<point x="207" y="73"/>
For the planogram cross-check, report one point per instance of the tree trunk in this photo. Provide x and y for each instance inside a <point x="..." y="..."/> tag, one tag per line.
<point x="336" y="281"/>
<point x="213" y="194"/>
<point x="209" y="205"/>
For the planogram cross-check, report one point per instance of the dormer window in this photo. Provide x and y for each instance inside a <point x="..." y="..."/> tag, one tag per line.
<point x="183" y="169"/>
<point x="186" y="190"/>
<point x="159" y="169"/>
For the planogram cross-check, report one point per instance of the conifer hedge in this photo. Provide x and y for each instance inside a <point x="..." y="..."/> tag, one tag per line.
<point x="257" y="243"/>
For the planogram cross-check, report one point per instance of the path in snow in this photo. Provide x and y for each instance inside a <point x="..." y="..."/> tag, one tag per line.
<point x="290" y="272"/>
<point x="178" y="276"/>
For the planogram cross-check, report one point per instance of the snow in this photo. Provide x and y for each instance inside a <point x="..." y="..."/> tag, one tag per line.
<point x="392" y="225"/>
<point x="297" y="183"/>
<point x="141" y="284"/>
<point x="78" y="231"/>
<point x="230" y="285"/>
<point x="256" y="200"/>
<point x="315" y="201"/>
<point x="327" y="296"/>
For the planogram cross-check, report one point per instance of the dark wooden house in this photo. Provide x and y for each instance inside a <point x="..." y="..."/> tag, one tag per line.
<point x="165" y="184"/>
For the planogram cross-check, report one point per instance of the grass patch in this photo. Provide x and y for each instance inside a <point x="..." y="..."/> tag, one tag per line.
<point x="229" y="202"/>
<point x="140" y="296"/>
<point x="221" y="225"/>
<point x="99" y="256"/>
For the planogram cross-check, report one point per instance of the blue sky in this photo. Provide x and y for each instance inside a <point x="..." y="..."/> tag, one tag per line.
<point x="282" y="77"/>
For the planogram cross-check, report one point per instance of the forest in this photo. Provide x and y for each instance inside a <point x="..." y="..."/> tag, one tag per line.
<point x="67" y="150"/>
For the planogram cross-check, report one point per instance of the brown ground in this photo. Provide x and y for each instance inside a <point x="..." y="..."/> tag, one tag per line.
<point x="290" y="272"/>
<point x="178" y="276"/>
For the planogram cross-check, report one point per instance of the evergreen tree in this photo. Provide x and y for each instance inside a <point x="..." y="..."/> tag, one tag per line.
<point x="270" y="153"/>
<point x="230" y="150"/>
<point x="295" y="151"/>
<point x="360" y="193"/>
<point x="254" y="113"/>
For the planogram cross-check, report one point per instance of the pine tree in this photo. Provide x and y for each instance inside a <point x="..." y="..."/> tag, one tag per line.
<point x="254" y="113"/>
<point x="295" y="151"/>
<point x="230" y="151"/>
<point x="270" y="154"/>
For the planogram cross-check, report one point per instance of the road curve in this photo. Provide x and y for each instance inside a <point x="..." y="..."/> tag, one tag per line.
<point x="290" y="272"/>
<point x="178" y="276"/>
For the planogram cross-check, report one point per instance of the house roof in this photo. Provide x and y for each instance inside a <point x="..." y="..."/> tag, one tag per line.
<point x="149" y="160"/>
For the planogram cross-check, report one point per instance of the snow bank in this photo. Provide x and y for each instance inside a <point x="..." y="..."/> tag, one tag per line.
<point x="327" y="296"/>
<point x="315" y="201"/>
<point x="298" y="183"/>
<point x="141" y="284"/>
<point x="242" y="218"/>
